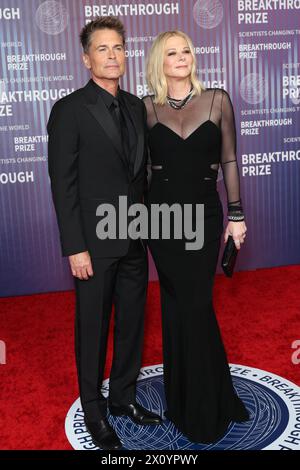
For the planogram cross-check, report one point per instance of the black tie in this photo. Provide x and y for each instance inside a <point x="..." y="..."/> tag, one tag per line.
<point x="117" y="114"/>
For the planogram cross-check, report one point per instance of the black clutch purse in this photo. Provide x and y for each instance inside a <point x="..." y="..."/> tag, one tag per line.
<point x="229" y="257"/>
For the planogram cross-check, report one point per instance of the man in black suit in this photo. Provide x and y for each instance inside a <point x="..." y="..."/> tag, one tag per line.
<point x="97" y="152"/>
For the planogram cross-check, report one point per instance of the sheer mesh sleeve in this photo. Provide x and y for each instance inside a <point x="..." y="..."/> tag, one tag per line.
<point x="229" y="161"/>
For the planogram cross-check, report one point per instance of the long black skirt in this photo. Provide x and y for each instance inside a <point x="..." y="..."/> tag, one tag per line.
<point x="201" y="400"/>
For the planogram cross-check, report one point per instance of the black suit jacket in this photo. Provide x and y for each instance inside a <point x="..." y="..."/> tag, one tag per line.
<point x="87" y="167"/>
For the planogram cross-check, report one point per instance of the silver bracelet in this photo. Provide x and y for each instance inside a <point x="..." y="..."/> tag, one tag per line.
<point x="236" y="218"/>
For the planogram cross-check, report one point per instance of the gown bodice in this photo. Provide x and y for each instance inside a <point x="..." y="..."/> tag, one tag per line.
<point x="188" y="146"/>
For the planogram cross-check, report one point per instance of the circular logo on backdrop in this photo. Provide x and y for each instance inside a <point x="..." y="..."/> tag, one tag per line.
<point x="273" y="404"/>
<point x="253" y="88"/>
<point x="208" y="14"/>
<point x="295" y="98"/>
<point x="52" y="17"/>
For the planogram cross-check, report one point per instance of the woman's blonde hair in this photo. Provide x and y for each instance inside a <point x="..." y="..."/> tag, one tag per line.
<point x="156" y="79"/>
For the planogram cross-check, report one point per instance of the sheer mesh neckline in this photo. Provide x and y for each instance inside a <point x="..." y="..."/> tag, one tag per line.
<point x="186" y="121"/>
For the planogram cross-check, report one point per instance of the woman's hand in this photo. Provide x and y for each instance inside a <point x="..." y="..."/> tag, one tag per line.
<point x="238" y="232"/>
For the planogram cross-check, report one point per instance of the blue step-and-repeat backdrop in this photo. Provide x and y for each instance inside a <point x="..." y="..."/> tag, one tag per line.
<point x="248" y="47"/>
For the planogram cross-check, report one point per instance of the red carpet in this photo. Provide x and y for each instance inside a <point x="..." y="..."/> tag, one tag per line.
<point x="259" y="315"/>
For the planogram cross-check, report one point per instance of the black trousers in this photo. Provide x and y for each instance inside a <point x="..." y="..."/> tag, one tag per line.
<point x="122" y="282"/>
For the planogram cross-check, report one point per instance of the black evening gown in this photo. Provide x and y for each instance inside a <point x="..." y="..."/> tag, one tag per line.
<point x="186" y="148"/>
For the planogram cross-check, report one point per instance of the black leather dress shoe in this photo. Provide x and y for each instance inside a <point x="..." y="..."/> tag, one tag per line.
<point x="136" y="412"/>
<point x="103" y="435"/>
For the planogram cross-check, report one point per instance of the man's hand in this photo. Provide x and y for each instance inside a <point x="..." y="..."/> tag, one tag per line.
<point x="81" y="265"/>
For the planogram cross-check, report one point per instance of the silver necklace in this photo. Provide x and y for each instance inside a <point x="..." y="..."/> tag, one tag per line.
<point x="179" y="104"/>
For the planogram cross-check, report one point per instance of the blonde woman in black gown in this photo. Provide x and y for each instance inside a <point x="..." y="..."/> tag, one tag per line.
<point x="191" y="132"/>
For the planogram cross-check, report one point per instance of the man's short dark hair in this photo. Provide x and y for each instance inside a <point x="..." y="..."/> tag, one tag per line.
<point x="101" y="22"/>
